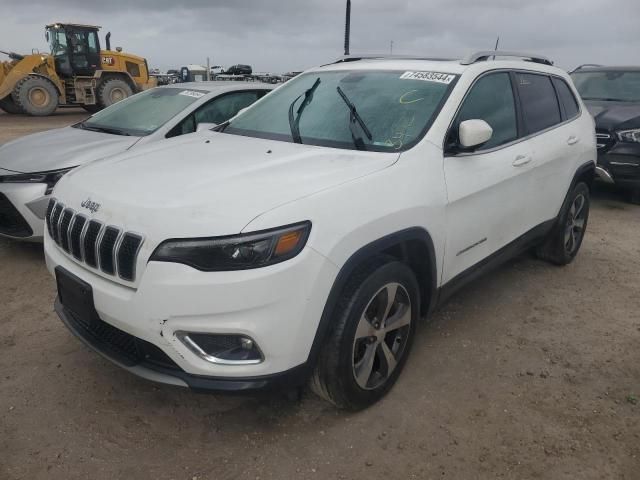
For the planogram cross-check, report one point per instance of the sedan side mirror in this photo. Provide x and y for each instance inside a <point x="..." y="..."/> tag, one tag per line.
<point x="473" y="133"/>
<point x="205" y="126"/>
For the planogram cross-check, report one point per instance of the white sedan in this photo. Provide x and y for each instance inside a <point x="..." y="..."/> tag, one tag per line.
<point x="30" y="166"/>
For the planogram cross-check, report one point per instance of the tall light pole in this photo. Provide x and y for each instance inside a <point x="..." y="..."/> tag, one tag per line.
<point x="347" y="28"/>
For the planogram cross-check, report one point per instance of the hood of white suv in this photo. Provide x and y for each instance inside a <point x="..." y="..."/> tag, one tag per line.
<point x="60" y="148"/>
<point x="208" y="185"/>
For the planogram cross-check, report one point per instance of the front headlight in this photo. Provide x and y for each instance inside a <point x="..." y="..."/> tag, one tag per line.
<point x="629" y="135"/>
<point x="49" y="178"/>
<point x="237" y="252"/>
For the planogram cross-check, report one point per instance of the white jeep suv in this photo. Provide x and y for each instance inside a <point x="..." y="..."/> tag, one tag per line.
<point x="306" y="237"/>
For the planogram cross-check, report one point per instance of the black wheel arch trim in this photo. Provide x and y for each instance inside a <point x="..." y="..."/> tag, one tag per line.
<point x="356" y="260"/>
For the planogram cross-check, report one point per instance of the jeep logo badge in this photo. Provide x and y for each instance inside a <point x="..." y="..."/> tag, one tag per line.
<point x="93" y="207"/>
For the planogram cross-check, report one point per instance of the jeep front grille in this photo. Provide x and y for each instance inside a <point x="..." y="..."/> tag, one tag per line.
<point x="103" y="247"/>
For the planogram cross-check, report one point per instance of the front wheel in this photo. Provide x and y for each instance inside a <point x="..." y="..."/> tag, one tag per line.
<point x="564" y="241"/>
<point x="373" y="328"/>
<point x="36" y="96"/>
<point x="633" y="196"/>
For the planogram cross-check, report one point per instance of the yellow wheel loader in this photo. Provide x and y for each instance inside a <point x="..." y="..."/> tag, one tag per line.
<point x="76" y="73"/>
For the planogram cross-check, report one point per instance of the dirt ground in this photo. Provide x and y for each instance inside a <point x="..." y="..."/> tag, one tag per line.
<point x="532" y="372"/>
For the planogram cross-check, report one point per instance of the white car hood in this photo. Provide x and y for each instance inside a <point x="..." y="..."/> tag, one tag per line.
<point x="60" y="148"/>
<point x="208" y="185"/>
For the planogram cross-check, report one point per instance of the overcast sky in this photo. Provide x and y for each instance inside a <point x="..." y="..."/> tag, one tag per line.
<point x="287" y="35"/>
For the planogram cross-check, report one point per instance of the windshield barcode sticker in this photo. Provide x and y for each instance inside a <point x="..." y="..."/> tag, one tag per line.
<point x="192" y="93"/>
<point x="445" y="78"/>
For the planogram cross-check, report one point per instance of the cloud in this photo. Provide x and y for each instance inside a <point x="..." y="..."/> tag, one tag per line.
<point x="292" y="35"/>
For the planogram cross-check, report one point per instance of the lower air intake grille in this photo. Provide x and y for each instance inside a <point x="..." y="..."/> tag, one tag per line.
<point x="122" y="346"/>
<point x="11" y="222"/>
<point x="99" y="246"/>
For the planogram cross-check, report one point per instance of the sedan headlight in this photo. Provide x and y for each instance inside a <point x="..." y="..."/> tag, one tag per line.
<point x="629" y="135"/>
<point x="237" y="252"/>
<point x="49" y="178"/>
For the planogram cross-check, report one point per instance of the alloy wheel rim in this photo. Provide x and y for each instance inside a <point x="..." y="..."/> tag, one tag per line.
<point x="381" y="336"/>
<point x="574" y="229"/>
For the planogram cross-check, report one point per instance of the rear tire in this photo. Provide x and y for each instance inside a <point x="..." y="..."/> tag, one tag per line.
<point x="9" y="106"/>
<point x="36" y="96"/>
<point x="563" y="242"/>
<point x="373" y="326"/>
<point x="112" y="91"/>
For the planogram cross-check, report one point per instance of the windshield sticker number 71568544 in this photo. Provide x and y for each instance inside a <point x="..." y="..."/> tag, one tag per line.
<point x="445" y="78"/>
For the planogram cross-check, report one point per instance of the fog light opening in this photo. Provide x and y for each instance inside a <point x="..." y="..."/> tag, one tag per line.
<point x="222" y="349"/>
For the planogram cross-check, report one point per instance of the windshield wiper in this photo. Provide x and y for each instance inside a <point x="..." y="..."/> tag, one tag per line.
<point x="294" y="123"/>
<point x="113" y="131"/>
<point x="353" y="118"/>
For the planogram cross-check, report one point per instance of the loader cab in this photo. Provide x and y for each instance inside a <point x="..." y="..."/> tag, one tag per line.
<point x="75" y="49"/>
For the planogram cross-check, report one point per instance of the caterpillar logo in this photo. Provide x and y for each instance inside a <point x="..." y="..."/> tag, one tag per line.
<point x="108" y="60"/>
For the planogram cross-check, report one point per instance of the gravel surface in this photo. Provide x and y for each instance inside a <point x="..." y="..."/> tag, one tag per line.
<point x="531" y="372"/>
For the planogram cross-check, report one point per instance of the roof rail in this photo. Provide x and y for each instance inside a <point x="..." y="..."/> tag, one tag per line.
<point x="485" y="55"/>
<point x="580" y="67"/>
<point x="379" y="56"/>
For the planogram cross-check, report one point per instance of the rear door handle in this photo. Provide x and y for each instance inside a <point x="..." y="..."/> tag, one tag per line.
<point x="522" y="160"/>
<point x="572" y="140"/>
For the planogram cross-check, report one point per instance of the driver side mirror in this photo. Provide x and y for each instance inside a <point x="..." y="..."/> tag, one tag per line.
<point x="205" y="126"/>
<point x="46" y="35"/>
<point x="473" y="133"/>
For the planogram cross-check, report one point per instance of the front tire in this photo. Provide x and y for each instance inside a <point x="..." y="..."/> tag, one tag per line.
<point x="36" y="96"/>
<point x="564" y="241"/>
<point x="112" y="91"/>
<point x="633" y="196"/>
<point x="373" y="328"/>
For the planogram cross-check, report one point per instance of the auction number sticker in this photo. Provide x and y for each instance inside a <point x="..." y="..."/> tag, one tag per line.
<point x="445" y="78"/>
<point x="192" y="93"/>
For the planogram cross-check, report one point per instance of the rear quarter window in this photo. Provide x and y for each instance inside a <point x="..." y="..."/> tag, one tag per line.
<point x="540" y="107"/>
<point x="567" y="99"/>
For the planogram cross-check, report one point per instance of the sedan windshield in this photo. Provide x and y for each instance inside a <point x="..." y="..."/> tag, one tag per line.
<point x="382" y="111"/>
<point x="144" y="113"/>
<point x="612" y="85"/>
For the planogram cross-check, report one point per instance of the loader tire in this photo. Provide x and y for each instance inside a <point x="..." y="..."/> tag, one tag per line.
<point x="36" y="96"/>
<point x="112" y="91"/>
<point x="9" y="106"/>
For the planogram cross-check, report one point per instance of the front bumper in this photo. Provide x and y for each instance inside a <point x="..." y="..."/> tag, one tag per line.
<point x="155" y="366"/>
<point x="22" y="210"/>
<point x="278" y="306"/>
<point x="621" y="164"/>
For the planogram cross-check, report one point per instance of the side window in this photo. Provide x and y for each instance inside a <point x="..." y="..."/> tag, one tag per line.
<point x="540" y="107"/>
<point x="93" y="42"/>
<point x="224" y="107"/>
<point x="188" y="125"/>
<point x="567" y="99"/>
<point x="491" y="100"/>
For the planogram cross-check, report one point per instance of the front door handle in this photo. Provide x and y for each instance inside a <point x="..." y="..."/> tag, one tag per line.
<point x="572" y="140"/>
<point x="522" y="160"/>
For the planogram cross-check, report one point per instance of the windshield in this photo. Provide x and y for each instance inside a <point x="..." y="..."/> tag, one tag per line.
<point x="57" y="41"/>
<point x="144" y="113"/>
<point x="395" y="107"/>
<point x="612" y="85"/>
